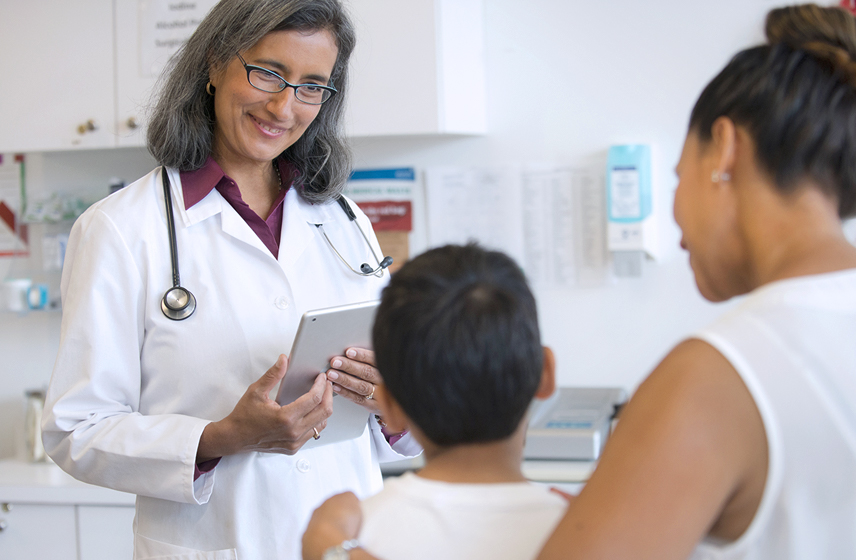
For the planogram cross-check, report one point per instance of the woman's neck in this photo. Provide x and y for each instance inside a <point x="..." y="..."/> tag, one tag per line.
<point x="259" y="182"/>
<point x="795" y="235"/>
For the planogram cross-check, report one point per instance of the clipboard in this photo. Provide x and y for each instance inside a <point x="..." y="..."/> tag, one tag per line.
<point x="322" y="334"/>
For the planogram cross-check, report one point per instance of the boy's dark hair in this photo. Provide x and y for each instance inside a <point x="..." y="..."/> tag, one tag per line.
<point x="457" y="343"/>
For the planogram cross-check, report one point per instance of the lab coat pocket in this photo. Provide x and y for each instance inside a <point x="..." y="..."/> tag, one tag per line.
<point x="150" y="549"/>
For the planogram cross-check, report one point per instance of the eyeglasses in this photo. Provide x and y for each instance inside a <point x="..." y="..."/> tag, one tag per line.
<point x="270" y="82"/>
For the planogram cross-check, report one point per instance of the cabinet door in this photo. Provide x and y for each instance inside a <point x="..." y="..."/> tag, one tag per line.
<point x="133" y="86"/>
<point x="139" y="63"/>
<point x="56" y="75"/>
<point x="38" y="531"/>
<point x="418" y="68"/>
<point x="105" y="532"/>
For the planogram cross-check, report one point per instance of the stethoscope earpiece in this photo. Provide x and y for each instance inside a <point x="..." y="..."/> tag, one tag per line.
<point x="367" y="269"/>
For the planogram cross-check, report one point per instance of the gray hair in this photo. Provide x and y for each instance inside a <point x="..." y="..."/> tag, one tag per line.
<point x="181" y="127"/>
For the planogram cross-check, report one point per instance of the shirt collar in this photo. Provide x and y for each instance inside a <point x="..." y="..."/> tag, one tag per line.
<point x="197" y="184"/>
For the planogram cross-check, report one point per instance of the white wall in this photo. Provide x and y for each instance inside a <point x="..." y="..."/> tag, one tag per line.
<point x="605" y="73"/>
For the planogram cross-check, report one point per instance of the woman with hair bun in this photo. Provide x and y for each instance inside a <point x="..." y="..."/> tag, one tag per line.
<point x="162" y="384"/>
<point x="744" y="437"/>
<point x="741" y="444"/>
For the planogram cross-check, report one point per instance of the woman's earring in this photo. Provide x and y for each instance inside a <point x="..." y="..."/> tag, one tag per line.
<point x="716" y="177"/>
<point x="209" y="89"/>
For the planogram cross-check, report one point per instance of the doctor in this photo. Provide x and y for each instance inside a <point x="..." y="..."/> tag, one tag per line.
<point x="167" y="397"/>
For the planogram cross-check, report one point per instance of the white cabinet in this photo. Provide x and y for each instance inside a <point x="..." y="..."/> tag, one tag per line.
<point x="133" y="85"/>
<point x="105" y="532"/>
<point x="56" y="75"/>
<point x="132" y="88"/>
<point x="70" y="77"/>
<point x="37" y="531"/>
<point x="61" y="532"/>
<point x="45" y="513"/>
<point x="418" y="68"/>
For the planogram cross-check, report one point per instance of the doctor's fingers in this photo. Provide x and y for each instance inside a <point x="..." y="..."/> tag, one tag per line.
<point x="361" y="355"/>
<point x="310" y="409"/>
<point x="288" y="445"/>
<point x="272" y="376"/>
<point x="355" y="368"/>
<point x="360" y="398"/>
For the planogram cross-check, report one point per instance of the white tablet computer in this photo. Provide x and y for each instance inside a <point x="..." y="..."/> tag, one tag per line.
<point x="321" y="335"/>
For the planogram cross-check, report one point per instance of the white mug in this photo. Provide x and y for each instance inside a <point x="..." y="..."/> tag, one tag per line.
<point x="15" y="291"/>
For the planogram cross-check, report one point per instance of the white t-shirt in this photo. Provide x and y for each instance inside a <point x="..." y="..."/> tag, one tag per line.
<point x="415" y="518"/>
<point x="793" y="342"/>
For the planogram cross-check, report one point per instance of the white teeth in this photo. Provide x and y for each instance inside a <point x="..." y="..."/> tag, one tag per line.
<point x="269" y="129"/>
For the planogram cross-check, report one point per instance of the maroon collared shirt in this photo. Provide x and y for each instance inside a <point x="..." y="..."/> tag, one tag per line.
<point x="199" y="183"/>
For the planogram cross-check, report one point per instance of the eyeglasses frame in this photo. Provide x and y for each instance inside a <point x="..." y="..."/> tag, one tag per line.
<point x="250" y="67"/>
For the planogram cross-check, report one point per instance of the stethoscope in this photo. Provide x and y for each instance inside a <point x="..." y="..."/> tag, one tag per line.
<point x="178" y="303"/>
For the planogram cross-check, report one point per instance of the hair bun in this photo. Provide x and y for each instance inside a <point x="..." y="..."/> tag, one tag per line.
<point x="828" y="34"/>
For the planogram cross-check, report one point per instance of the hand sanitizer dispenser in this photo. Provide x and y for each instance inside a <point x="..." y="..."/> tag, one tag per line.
<point x="629" y="205"/>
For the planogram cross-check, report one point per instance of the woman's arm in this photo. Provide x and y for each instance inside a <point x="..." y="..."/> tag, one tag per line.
<point x="688" y="458"/>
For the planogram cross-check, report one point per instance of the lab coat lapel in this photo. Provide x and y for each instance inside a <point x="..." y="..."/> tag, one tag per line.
<point x="298" y="227"/>
<point x="230" y="220"/>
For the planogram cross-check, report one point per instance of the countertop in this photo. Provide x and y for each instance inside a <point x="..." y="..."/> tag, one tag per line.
<point x="46" y="483"/>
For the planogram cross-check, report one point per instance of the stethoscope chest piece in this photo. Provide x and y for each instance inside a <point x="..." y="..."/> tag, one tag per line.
<point x="178" y="303"/>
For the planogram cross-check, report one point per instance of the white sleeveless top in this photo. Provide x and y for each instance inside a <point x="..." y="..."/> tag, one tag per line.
<point x="794" y="344"/>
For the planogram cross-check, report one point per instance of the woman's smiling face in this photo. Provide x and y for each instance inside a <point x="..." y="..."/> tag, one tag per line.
<point x="252" y="125"/>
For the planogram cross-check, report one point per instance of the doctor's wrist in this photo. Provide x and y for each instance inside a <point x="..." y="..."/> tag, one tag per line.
<point x="213" y="443"/>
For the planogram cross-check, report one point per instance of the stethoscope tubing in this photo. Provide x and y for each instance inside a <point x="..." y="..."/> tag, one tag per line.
<point x="170" y="224"/>
<point x="179" y="304"/>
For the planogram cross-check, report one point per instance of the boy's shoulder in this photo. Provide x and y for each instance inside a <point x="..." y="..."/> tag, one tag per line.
<point x="442" y="519"/>
<point x="416" y="490"/>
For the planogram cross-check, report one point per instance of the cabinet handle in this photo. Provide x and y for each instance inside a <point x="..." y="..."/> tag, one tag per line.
<point x="3" y="525"/>
<point x="88" y="126"/>
<point x="132" y="123"/>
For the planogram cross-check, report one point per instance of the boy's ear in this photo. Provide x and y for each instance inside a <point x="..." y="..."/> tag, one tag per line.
<point x="393" y="416"/>
<point x="548" y="375"/>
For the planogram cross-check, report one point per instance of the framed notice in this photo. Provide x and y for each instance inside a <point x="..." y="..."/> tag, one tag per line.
<point x="386" y="196"/>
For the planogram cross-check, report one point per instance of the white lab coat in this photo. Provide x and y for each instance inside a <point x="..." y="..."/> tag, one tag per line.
<point x="132" y="390"/>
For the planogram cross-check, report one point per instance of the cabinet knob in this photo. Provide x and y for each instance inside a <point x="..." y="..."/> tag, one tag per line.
<point x="132" y="123"/>
<point x="6" y="507"/>
<point x="3" y="525"/>
<point x="88" y="126"/>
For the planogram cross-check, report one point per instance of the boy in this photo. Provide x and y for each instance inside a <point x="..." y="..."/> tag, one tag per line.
<point x="457" y="343"/>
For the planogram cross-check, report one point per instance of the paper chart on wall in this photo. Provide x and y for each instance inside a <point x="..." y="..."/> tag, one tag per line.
<point x="165" y="25"/>
<point x="550" y="219"/>
<point x="475" y="204"/>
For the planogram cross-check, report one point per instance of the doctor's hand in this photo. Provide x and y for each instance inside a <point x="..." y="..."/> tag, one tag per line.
<point x="355" y="377"/>
<point x="259" y="423"/>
